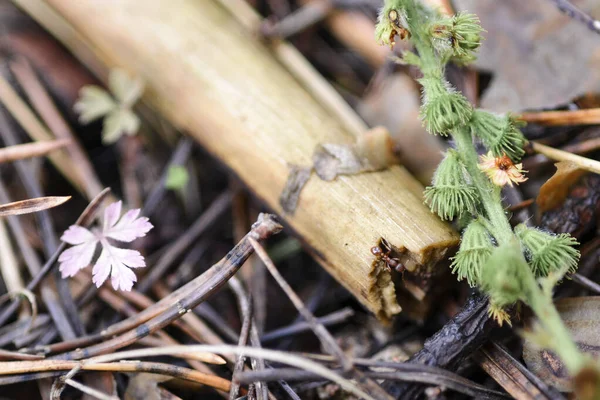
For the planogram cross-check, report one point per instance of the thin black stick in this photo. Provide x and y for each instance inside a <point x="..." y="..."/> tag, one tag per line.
<point x="245" y="301"/>
<point x="299" y="327"/>
<point x="549" y="391"/>
<point x="245" y="307"/>
<point x="179" y="157"/>
<point x="299" y="20"/>
<point x="328" y="342"/>
<point x="586" y="283"/>
<point x="457" y="339"/>
<point x="572" y="11"/>
<point x="324" y="336"/>
<point x="257" y="364"/>
<point x="313" y="301"/>
<point x="404" y="372"/>
<point x="205" y="221"/>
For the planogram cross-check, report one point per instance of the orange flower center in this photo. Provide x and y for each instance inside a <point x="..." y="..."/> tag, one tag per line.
<point x="504" y="163"/>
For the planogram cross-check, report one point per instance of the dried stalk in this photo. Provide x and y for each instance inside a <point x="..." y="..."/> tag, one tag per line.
<point x="560" y="155"/>
<point x="29" y="150"/>
<point x="36" y="130"/>
<point x="43" y="104"/>
<point x="130" y="366"/>
<point x="215" y="80"/>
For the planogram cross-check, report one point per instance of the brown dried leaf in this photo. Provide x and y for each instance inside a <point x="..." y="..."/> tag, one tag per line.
<point x="581" y="316"/>
<point x="331" y="160"/>
<point x="291" y="192"/>
<point x="539" y="56"/>
<point x="31" y="205"/>
<point x="372" y="152"/>
<point x="556" y="189"/>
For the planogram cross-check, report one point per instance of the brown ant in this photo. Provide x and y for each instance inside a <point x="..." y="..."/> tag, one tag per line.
<point x="383" y="252"/>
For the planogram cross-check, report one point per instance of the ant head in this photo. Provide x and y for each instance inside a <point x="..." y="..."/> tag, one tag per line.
<point x="376" y="250"/>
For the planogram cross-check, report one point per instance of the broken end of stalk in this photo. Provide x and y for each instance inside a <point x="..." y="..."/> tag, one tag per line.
<point x="422" y="269"/>
<point x="382" y="292"/>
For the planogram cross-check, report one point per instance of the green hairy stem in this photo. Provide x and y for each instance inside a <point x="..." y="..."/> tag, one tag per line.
<point x="510" y="266"/>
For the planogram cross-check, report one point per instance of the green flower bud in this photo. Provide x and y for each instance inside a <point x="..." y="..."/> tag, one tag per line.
<point x="503" y="276"/>
<point x="548" y="252"/>
<point x="467" y="31"/>
<point x="499" y="133"/>
<point x="475" y="249"/>
<point x="443" y="108"/>
<point x="451" y="193"/>
<point x="457" y="37"/>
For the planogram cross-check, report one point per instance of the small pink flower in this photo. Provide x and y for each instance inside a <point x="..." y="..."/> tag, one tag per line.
<point x="501" y="170"/>
<point x="113" y="261"/>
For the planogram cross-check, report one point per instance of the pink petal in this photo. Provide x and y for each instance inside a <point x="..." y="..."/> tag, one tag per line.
<point x="129" y="227"/>
<point x="76" y="258"/>
<point x="111" y="214"/>
<point x="118" y="263"/>
<point x="102" y="269"/>
<point x="129" y="216"/>
<point x="130" y="258"/>
<point x="77" y="235"/>
<point x="122" y="278"/>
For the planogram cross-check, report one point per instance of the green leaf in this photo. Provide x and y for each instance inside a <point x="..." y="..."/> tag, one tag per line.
<point x="177" y="177"/>
<point x="548" y="253"/>
<point x="93" y="103"/>
<point x="126" y="90"/>
<point x="117" y="123"/>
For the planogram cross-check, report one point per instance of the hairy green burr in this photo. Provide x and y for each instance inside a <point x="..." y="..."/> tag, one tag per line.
<point x="548" y="252"/>
<point x="451" y="193"/>
<point x="475" y="249"/>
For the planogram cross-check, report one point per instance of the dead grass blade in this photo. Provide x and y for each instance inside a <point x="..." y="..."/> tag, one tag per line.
<point x="32" y="205"/>
<point x="272" y="355"/>
<point x="29" y="150"/>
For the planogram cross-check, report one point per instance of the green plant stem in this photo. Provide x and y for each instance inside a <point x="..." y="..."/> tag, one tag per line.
<point x="496" y="219"/>
<point x="500" y="228"/>
<point x="542" y="305"/>
<point x="430" y="63"/>
<point x="490" y="196"/>
<point x="464" y="144"/>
